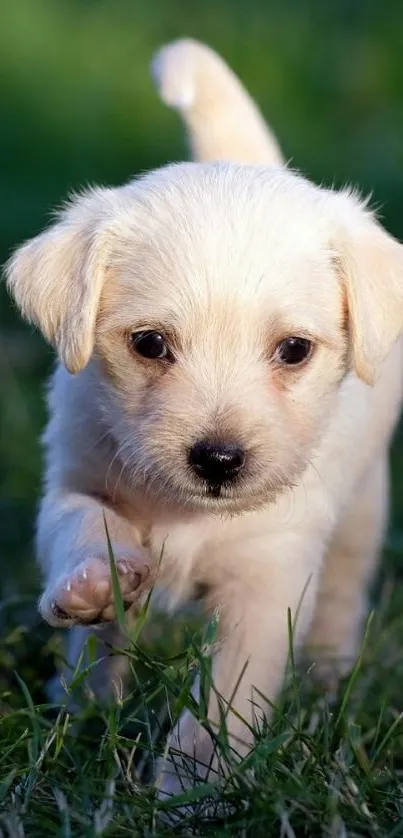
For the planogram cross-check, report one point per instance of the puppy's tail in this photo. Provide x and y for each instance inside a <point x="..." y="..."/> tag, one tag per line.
<point x="222" y="121"/>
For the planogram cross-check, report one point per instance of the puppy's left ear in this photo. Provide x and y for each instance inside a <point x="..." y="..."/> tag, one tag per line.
<point x="370" y="262"/>
<point x="57" y="277"/>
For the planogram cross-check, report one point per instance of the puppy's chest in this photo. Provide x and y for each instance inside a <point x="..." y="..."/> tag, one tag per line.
<point x="201" y="550"/>
<point x="181" y="542"/>
<point x="186" y="549"/>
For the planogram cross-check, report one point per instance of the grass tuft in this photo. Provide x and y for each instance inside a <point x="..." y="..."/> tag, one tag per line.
<point x="319" y="768"/>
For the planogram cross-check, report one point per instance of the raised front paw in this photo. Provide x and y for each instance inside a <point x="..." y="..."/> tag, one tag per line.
<point x="85" y="596"/>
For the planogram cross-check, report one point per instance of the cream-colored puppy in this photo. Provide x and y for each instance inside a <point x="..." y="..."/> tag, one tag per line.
<point x="229" y="381"/>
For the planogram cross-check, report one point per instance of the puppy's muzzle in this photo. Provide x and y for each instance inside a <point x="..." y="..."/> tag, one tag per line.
<point x="216" y="462"/>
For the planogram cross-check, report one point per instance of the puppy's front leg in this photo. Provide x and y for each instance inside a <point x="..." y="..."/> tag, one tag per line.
<point x="250" y="662"/>
<point x="73" y="550"/>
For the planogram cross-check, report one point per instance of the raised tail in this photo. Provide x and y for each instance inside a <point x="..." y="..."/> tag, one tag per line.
<point x="221" y="119"/>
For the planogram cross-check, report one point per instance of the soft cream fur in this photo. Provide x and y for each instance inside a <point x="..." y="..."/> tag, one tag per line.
<point x="227" y="260"/>
<point x="222" y="121"/>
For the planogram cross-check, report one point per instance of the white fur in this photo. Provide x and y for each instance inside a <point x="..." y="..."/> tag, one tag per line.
<point x="227" y="260"/>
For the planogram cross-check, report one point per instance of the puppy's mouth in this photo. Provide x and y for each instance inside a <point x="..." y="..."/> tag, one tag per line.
<point x="223" y="493"/>
<point x="234" y="496"/>
<point x="214" y="490"/>
<point x="219" y="498"/>
<point x="226" y="498"/>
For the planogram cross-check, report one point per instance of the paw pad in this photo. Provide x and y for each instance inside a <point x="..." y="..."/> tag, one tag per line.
<point x="86" y="596"/>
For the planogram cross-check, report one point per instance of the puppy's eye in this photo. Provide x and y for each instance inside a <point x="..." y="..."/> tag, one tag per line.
<point x="151" y="345"/>
<point x="293" y="351"/>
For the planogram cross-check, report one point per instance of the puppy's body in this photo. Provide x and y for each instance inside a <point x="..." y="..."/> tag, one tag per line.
<point x="226" y="264"/>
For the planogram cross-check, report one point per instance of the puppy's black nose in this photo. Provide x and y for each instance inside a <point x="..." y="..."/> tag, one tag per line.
<point x="216" y="462"/>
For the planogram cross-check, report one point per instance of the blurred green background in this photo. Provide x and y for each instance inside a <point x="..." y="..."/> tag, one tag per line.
<point x="77" y="106"/>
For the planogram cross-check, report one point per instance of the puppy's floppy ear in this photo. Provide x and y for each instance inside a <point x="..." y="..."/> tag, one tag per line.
<point x="57" y="277"/>
<point x="370" y="262"/>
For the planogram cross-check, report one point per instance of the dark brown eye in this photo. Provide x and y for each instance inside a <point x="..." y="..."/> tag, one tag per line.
<point x="293" y="351"/>
<point x="151" y="345"/>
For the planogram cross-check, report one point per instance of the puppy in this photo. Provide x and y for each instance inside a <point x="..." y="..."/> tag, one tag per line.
<point x="229" y="380"/>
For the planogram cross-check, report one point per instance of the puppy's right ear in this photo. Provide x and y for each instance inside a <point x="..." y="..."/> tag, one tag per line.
<point x="57" y="277"/>
<point x="221" y="119"/>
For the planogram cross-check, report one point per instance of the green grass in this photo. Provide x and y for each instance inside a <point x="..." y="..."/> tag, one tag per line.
<point x="77" y="106"/>
<point x="318" y="769"/>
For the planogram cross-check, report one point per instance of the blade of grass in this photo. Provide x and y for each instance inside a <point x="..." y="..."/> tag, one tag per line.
<point x="381" y="747"/>
<point x="36" y="731"/>
<point x="117" y="594"/>
<point x="354" y="674"/>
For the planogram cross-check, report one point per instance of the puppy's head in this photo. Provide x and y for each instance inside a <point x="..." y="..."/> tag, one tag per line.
<point x="223" y="305"/>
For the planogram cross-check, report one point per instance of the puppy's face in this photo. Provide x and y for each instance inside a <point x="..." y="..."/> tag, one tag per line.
<point x="222" y="335"/>
<point x="225" y="305"/>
